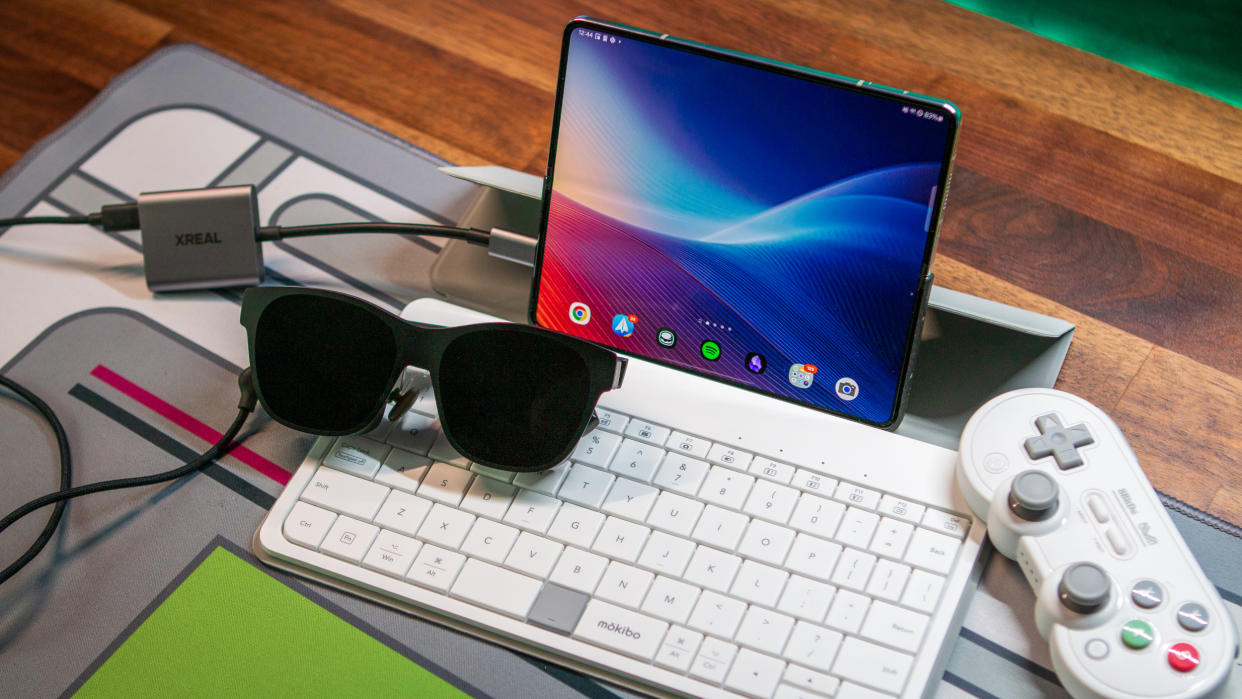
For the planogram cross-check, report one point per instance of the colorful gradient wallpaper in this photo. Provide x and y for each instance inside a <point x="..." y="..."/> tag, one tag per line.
<point x="770" y="215"/>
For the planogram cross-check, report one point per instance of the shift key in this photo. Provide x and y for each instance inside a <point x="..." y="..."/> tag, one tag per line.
<point x="344" y="493"/>
<point x="620" y="629"/>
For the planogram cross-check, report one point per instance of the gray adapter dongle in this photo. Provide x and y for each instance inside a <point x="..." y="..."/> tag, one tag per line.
<point x="200" y="238"/>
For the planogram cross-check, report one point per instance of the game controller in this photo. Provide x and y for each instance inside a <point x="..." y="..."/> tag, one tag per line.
<point x="1120" y="599"/>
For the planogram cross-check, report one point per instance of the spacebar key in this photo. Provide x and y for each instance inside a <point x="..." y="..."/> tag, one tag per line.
<point x="620" y="629"/>
<point x="499" y="589"/>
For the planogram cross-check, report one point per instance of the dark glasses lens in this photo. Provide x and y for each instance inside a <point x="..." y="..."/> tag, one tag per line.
<point x="516" y="400"/>
<point x="322" y="364"/>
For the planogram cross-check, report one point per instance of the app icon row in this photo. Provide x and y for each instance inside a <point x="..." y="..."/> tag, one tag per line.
<point x="800" y="375"/>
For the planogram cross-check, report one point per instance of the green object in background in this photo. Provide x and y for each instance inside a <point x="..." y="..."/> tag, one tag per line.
<point x="232" y="630"/>
<point x="1194" y="43"/>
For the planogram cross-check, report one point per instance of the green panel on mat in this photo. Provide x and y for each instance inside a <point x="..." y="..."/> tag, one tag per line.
<point x="271" y="641"/>
<point x="1194" y="43"/>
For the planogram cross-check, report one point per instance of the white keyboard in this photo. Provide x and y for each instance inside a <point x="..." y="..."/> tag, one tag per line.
<point x="661" y="559"/>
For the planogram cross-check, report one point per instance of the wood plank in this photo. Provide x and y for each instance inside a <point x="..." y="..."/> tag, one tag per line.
<point x="35" y="100"/>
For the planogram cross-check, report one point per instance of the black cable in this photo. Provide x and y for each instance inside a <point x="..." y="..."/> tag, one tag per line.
<point x="66" y="467"/>
<point x="30" y="220"/>
<point x="470" y="235"/>
<point x="245" y="406"/>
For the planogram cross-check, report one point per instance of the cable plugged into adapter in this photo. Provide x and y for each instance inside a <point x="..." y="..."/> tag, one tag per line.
<point x="210" y="238"/>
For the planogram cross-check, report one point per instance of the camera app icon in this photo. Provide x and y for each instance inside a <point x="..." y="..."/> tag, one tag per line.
<point x="847" y="388"/>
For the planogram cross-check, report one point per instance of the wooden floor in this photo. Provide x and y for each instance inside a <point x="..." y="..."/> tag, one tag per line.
<point x="1083" y="189"/>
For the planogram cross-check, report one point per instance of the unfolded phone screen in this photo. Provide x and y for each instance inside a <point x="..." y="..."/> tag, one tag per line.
<point x="739" y="219"/>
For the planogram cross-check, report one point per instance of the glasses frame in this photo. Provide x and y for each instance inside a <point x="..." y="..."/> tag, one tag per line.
<point x="423" y="346"/>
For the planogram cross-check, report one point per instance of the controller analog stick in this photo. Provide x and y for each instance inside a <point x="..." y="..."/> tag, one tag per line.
<point x="1033" y="496"/>
<point x="1084" y="588"/>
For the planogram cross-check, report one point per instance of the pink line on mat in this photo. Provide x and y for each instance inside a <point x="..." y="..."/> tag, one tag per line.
<point x="188" y="422"/>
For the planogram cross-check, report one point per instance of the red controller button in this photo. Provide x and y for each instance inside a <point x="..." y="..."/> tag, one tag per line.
<point x="1183" y="657"/>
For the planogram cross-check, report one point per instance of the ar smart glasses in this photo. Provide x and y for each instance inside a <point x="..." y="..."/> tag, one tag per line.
<point x="510" y="396"/>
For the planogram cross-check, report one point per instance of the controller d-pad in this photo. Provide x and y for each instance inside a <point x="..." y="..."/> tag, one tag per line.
<point x="1058" y="441"/>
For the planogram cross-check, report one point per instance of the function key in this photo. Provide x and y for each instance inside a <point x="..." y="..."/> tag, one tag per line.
<point x="902" y="509"/>
<point x="646" y="431"/>
<point x="813" y="482"/>
<point x="611" y="421"/>
<point x="728" y="456"/>
<point x="946" y="523"/>
<point x="688" y="444"/>
<point x="1147" y="594"/>
<point x="1183" y="657"/>
<point x="772" y="470"/>
<point x="357" y="455"/>
<point x="1192" y="616"/>
<point x="857" y="496"/>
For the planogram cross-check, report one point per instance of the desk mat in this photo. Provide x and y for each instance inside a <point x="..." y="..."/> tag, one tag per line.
<point x="141" y="383"/>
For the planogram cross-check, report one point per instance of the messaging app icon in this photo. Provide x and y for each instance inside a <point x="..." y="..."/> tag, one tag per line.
<point x="623" y="324"/>
<point x="802" y="375"/>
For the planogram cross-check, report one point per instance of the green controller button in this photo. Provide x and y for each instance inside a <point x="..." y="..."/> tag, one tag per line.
<point x="1137" y="634"/>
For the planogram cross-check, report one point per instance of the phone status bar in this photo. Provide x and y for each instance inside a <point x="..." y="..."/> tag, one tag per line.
<point x="922" y="113"/>
<point x="598" y="36"/>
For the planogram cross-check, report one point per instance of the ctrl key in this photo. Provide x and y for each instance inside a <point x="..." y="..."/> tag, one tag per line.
<point x="620" y="629"/>
<point x="306" y="524"/>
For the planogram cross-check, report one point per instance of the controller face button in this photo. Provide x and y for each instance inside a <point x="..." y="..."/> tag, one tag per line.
<point x="1192" y="616"/>
<point x="1137" y="634"/>
<point x="1183" y="657"/>
<point x="1147" y="594"/>
<point x="1084" y="588"/>
<point x="1033" y="496"/>
<point x="1059" y="442"/>
<point x="1097" y="649"/>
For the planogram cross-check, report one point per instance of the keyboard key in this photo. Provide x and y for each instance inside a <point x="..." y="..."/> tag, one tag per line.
<point x="806" y="598"/>
<point x="586" y="486"/>
<point x="728" y="456"/>
<point x="579" y="570"/>
<point x="813" y="646"/>
<point x="341" y="492"/>
<point x="425" y="403"/>
<point x="403" y="513"/>
<point x="771" y="501"/>
<point x="720" y="528"/>
<point x="758" y="583"/>
<point x="764" y="630"/>
<point x="681" y="473"/>
<point x="488" y="497"/>
<point x="611" y="421"/>
<point x="546" y="482"/>
<point x="713" y="661"/>
<point x="717" y="615"/>
<point x="679" y="648"/>
<point x="904" y="510"/>
<point x="636" y="460"/>
<point x="813" y="556"/>
<point x="768" y="469"/>
<point x="666" y="554"/>
<point x="415" y="433"/>
<point x="630" y="499"/>
<point x="445" y="483"/>
<point x="857" y="496"/>
<point x="945" y="523"/>
<point x="576" y="526"/>
<point x="349" y="539"/>
<point x="621" y="540"/>
<point x="857" y="526"/>
<point x="670" y="600"/>
<point x="813" y="482"/>
<point x="493" y="473"/>
<point x="403" y="470"/>
<point x="392" y="553"/>
<point x="766" y="542"/>
<point x="725" y="487"/>
<point x="755" y="674"/>
<point x="646" y="431"/>
<point x="869" y="664"/>
<point x="923" y="591"/>
<point x="596" y="449"/>
<point x="675" y="514"/>
<point x="490" y="541"/>
<point x="712" y="569"/>
<point x="891" y="537"/>
<point x="853" y="569"/>
<point x="849" y="690"/>
<point x="558" y="609"/>
<point x="620" y="629"/>
<point x="357" y="455"/>
<point x="435" y="568"/>
<point x="495" y="588"/>
<point x="848" y="611"/>
<point x="441" y="450"/>
<point x="533" y="555"/>
<point x="533" y="511"/>
<point x="888" y="580"/>
<point x="815" y="515"/>
<point x="808" y="680"/>
<point x="306" y="524"/>
<point x="445" y="526"/>
<point x="894" y="626"/>
<point x="932" y="551"/>
<point x="688" y="444"/>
